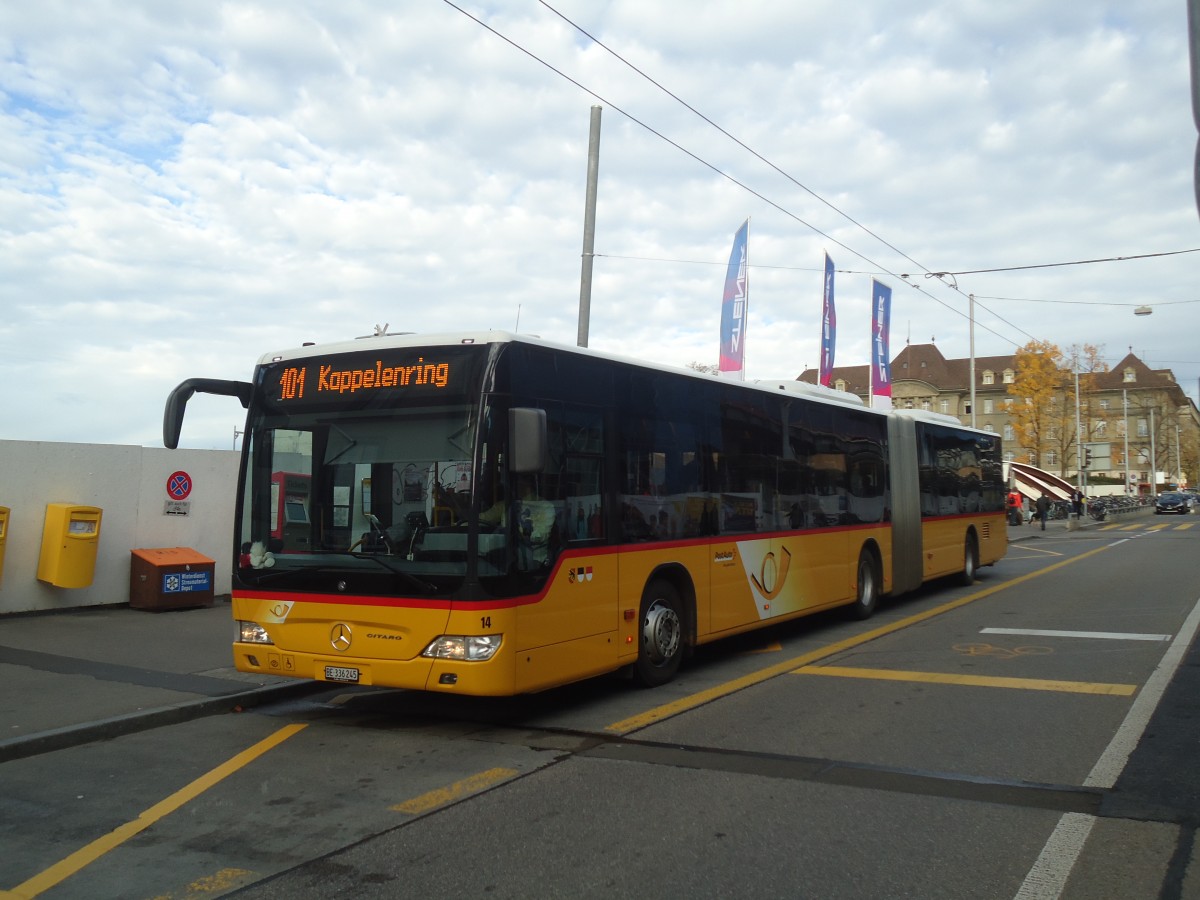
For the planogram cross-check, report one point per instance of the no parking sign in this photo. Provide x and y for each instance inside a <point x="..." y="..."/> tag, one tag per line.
<point x="179" y="486"/>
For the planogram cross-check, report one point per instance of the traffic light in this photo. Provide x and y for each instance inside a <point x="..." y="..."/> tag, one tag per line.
<point x="1087" y="458"/>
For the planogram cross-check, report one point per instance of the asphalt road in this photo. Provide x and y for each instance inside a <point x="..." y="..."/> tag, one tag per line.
<point x="1033" y="735"/>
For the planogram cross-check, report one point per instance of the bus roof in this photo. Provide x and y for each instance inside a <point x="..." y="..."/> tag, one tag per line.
<point x="404" y="340"/>
<point x="926" y="415"/>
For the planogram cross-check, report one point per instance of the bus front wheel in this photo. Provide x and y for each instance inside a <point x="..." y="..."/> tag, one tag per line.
<point x="970" y="561"/>
<point x="868" y="587"/>
<point x="661" y="649"/>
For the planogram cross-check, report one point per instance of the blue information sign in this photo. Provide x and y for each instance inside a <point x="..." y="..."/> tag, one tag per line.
<point x="183" y="582"/>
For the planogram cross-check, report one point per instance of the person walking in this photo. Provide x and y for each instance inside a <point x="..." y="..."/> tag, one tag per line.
<point x="1043" y="508"/>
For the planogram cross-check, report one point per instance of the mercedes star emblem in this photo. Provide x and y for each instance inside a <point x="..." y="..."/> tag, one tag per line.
<point x="340" y="637"/>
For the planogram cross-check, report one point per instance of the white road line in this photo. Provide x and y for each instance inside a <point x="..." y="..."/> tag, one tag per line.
<point x="1048" y="877"/>
<point x="1099" y="635"/>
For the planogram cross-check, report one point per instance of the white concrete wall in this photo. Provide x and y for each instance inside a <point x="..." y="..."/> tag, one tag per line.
<point x="130" y="485"/>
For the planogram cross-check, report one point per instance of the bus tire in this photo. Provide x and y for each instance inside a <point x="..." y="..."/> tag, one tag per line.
<point x="867" y="586"/>
<point x="661" y="646"/>
<point x="970" y="561"/>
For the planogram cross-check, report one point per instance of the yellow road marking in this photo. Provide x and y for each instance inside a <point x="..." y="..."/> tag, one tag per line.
<point x="1132" y="527"/>
<point x="1185" y="526"/>
<point x="1158" y="527"/>
<point x="674" y="708"/>
<point x="1041" y="550"/>
<point x="449" y="794"/>
<point x="1028" y="684"/>
<point x="85" y="856"/>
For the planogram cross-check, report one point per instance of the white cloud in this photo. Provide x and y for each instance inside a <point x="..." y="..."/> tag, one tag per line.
<point x="187" y="188"/>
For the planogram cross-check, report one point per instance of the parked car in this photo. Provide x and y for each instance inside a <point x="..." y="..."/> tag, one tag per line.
<point x="1172" y="502"/>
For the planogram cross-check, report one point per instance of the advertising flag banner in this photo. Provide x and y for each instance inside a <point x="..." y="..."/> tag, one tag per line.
<point x="734" y="304"/>
<point x="881" y="367"/>
<point x="828" y="325"/>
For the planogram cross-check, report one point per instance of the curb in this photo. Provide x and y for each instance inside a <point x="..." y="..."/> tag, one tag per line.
<point x="144" y="720"/>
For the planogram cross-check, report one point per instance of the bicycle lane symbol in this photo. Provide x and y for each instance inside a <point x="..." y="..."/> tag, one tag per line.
<point x="982" y="649"/>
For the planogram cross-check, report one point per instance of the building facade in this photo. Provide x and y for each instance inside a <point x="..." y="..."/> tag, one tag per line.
<point x="1134" y="424"/>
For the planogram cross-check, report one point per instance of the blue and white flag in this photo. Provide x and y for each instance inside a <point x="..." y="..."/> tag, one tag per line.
<point x="881" y="367"/>
<point x="828" y="325"/>
<point x="734" y="305"/>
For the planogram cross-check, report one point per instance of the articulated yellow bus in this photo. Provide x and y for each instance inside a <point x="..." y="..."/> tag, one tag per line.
<point x="492" y="514"/>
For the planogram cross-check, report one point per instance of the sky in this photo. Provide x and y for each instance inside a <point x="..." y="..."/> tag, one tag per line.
<point x="186" y="187"/>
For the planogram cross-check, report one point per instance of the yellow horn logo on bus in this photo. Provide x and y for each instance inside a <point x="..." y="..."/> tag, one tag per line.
<point x="772" y="575"/>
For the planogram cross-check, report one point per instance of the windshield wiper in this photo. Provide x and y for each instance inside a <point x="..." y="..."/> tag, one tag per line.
<point x="412" y="579"/>
<point x="264" y="575"/>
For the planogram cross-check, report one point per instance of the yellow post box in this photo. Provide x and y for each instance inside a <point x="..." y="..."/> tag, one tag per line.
<point x="3" y="536"/>
<point x="69" y="541"/>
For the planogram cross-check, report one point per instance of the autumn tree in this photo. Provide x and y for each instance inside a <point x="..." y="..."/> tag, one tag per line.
<point x="1042" y="408"/>
<point x="1189" y="451"/>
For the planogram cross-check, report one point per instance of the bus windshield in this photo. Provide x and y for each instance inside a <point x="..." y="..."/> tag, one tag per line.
<point x="362" y="503"/>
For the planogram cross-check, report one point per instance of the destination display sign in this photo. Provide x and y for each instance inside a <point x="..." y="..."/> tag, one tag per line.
<point x="357" y="379"/>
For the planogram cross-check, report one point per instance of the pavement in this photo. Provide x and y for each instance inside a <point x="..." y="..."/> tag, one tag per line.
<point x="94" y="673"/>
<point x="80" y="675"/>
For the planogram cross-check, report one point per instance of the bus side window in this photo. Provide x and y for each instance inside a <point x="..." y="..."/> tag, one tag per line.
<point x="536" y="525"/>
<point x="584" y="501"/>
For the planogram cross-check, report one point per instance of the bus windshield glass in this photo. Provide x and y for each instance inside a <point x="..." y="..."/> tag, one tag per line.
<point x="358" y="480"/>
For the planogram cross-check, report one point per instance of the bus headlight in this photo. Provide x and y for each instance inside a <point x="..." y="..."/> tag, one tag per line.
<point x="253" y="633"/>
<point x="466" y="647"/>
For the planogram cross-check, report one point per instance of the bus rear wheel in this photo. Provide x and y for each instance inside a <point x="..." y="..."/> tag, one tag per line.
<point x="868" y="587"/>
<point x="661" y="635"/>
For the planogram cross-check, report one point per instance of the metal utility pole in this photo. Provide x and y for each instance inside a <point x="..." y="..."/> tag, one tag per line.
<point x="1079" y="452"/>
<point x="589" y="229"/>
<point x="971" y="319"/>
<point x="1178" y="461"/>
<point x="1125" y="403"/>
<point x="1193" y="21"/>
<point x="1153" y="458"/>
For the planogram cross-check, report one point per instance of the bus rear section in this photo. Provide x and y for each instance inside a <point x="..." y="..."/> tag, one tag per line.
<point x="948" y="495"/>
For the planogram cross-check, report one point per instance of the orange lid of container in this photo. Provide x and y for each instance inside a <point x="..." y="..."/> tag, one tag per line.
<point x="172" y="556"/>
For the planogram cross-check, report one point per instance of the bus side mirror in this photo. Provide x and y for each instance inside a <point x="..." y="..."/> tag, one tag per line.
<point x="178" y="398"/>
<point x="527" y="439"/>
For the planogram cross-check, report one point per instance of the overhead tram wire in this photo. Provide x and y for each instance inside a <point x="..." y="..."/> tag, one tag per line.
<point x="705" y="262"/>
<point x="662" y="136"/>
<point x="1078" y="262"/>
<point x="1133" y="305"/>
<point x="736" y="140"/>
<point x="928" y="274"/>
<point x="760" y="157"/>
<point x="740" y="184"/>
